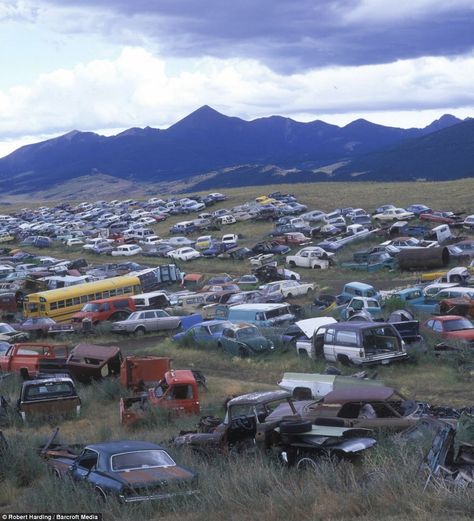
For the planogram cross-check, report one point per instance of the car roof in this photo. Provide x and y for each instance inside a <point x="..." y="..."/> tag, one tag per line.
<point x="359" y="285"/>
<point x="116" y="447"/>
<point x="447" y="318"/>
<point x="259" y="397"/>
<point x="357" y="325"/>
<point x="356" y="394"/>
<point x="258" y="307"/>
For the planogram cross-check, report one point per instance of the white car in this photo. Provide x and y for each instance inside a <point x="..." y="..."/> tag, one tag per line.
<point x="74" y="242"/>
<point x="151" y="240"/>
<point x="394" y="214"/>
<point x="92" y="243"/>
<point x="184" y="254"/>
<point x="127" y="250"/>
<point x="288" y="288"/>
<point x="230" y="238"/>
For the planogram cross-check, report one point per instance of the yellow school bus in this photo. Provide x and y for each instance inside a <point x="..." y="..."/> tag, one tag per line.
<point x="60" y="304"/>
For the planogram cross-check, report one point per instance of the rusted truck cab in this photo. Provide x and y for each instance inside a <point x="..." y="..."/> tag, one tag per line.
<point x="177" y="392"/>
<point x="140" y="373"/>
<point x="29" y="359"/>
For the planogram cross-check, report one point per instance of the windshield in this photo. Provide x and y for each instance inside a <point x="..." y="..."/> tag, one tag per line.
<point x="247" y="332"/>
<point x="143" y="459"/>
<point x="91" y="308"/>
<point x="218" y="328"/>
<point x="276" y="312"/>
<point x="6" y="328"/>
<point x="134" y="316"/>
<point x="49" y="390"/>
<point x="458" y="325"/>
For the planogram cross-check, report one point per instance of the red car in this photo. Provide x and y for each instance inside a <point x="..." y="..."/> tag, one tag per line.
<point x="438" y="217"/>
<point x="292" y="239"/>
<point x="451" y="327"/>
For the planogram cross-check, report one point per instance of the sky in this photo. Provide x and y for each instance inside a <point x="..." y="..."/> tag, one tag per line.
<point x="108" y="65"/>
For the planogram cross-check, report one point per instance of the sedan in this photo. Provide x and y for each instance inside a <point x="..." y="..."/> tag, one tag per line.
<point x="451" y="327"/>
<point x="394" y="214"/>
<point x="184" y="254"/>
<point x="418" y="209"/>
<point x="128" y="471"/>
<point x="142" y="322"/>
<point x="438" y="217"/>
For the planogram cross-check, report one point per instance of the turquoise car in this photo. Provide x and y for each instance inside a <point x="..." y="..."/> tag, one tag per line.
<point x="244" y="340"/>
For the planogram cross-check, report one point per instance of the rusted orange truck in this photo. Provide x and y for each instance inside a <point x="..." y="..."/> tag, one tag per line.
<point x="175" y="391"/>
<point x="29" y="359"/>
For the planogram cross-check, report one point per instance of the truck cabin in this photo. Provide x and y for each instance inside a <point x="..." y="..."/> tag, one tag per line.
<point x="89" y="362"/>
<point x="175" y="385"/>
<point x="246" y="413"/>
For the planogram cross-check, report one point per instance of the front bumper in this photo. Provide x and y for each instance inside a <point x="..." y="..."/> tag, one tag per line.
<point x="156" y="497"/>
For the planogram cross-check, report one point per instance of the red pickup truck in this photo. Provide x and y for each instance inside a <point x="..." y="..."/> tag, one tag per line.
<point x="30" y="359"/>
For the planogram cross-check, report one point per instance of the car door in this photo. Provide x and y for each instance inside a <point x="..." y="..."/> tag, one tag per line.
<point x="85" y="465"/>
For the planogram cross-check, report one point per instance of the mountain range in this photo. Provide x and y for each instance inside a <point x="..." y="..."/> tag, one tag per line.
<point x="207" y="149"/>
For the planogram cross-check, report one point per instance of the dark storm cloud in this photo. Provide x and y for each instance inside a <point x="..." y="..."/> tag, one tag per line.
<point x="290" y="35"/>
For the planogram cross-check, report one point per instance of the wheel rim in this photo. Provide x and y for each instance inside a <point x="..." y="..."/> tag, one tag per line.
<point x="307" y="463"/>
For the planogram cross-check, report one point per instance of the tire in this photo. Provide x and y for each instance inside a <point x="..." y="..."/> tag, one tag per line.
<point x="295" y="427"/>
<point x="343" y="360"/>
<point x="219" y="345"/>
<point x="292" y="264"/>
<point x="289" y="295"/>
<point x="101" y="494"/>
<point x="292" y="277"/>
<point x="243" y="353"/>
<point x="316" y="267"/>
<point x="140" y="331"/>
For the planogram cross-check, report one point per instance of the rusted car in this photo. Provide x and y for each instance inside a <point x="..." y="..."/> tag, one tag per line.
<point x="127" y="471"/>
<point x="89" y="362"/>
<point x="457" y="306"/>
<point x="367" y="407"/>
<point x="48" y="397"/>
<point x="248" y="425"/>
<point x="176" y="393"/>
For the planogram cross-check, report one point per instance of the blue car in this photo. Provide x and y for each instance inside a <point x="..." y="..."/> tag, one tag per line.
<point x="418" y="209"/>
<point x="129" y="471"/>
<point x="204" y="334"/>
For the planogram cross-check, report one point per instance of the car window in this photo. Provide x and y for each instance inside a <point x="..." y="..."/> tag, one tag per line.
<point x="437" y="326"/>
<point x="346" y="338"/>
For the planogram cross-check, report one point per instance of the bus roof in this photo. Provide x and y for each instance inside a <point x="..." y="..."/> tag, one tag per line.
<point x="98" y="285"/>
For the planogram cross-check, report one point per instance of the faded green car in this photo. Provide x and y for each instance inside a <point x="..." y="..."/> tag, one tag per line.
<point x="244" y="340"/>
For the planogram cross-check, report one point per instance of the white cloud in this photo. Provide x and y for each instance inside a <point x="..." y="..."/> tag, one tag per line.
<point x="373" y="10"/>
<point x="139" y="89"/>
<point x="17" y="10"/>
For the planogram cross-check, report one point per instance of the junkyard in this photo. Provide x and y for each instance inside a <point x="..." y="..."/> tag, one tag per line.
<point x="260" y="356"/>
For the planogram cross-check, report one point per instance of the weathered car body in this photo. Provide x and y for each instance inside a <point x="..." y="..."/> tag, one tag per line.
<point x="88" y="362"/>
<point x="129" y="471"/>
<point x="244" y="340"/>
<point x="56" y="396"/>
<point x="294" y="441"/>
<point x="176" y="393"/>
<point x="29" y="359"/>
<point x="370" y="407"/>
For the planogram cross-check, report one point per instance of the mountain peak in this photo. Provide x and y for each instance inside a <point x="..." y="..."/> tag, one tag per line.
<point x="445" y="121"/>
